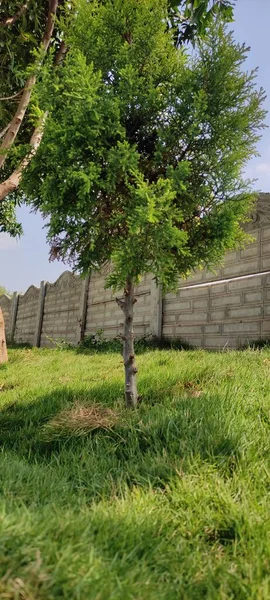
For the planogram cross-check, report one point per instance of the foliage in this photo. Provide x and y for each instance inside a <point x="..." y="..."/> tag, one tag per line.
<point x="171" y="502"/>
<point x="8" y="219"/>
<point x="3" y="291"/>
<point x="143" y="152"/>
<point x="93" y="340"/>
<point x="258" y="344"/>
<point x="22" y="27"/>
<point x="26" y="31"/>
<point x="191" y="19"/>
<point x="97" y="343"/>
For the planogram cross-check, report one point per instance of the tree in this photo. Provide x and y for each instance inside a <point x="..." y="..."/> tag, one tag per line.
<point x="30" y="32"/>
<point x="142" y="156"/>
<point x="3" y="346"/>
<point x="27" y="32"/>
<point x="137" y="166"/>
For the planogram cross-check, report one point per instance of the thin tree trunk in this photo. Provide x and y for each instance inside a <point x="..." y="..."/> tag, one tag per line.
<point x="127" y="306"/>
<point x="3" y="346"/>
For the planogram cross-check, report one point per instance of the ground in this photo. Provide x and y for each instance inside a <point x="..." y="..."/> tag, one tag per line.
<point x="167" y="502"/>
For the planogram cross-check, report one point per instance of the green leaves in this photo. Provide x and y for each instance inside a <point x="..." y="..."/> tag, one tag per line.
<point x="8" y="221"/>
<point x="191" y="20"/>
<point x="142" y="156"/>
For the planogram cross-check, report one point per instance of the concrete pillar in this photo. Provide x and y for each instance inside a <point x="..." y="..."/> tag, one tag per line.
<point x="13" y="315"/>
<point x="156" y="309"/>
<point x="40" y="311"/>
<point x="82" y="309"/>
<point x="3" y="346"/>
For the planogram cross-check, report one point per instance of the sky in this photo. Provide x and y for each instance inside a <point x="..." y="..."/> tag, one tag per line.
<point x="25" y="261"/>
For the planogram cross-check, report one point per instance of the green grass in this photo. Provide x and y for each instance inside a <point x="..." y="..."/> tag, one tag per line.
<point x="170" y="503"/>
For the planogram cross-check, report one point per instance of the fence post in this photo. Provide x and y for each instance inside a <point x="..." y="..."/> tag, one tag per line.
<point x="13" y="316"/>
<point x="156" y="309"/>
<point x="40" y="311"/>
<point x="82" y="309"/>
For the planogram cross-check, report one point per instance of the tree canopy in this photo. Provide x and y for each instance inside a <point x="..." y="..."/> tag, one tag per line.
<point x="142" y="155"/>
<point x="30" y="33"/>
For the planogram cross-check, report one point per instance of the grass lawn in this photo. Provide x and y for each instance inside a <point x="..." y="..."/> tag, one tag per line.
<point x="168" y="502"/>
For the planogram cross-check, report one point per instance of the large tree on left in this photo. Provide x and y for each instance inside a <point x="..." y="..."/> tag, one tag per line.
<point x="29" y="34"/>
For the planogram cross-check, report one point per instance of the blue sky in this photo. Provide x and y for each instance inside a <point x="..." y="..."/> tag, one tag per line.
<point x="25" y="262"/>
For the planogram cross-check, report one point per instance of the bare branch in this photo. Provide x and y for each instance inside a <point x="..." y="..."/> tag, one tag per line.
<point x="60" y="54"/>
<point x="185" y="151"/>
<point x="14" y="179"/>
<point x="2" y="133"/>
<point x="17" y="119"/>
<point x="11" y="20"/>
<point x="11" y="97"/>
<point x="120" y="303"/>
<point x="50" y="24"/>
<point x="26" y="95"/>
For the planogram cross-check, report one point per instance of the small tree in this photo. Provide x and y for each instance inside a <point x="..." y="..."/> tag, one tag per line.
<point x="142" y="155"/>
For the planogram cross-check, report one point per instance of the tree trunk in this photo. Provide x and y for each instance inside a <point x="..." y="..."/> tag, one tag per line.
<point x="127" y="306"/>
<point x="3" y="346"/>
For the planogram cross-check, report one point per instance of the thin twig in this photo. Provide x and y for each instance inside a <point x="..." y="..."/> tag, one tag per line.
<point x="120" y="303"/>
<point x="11" y="97"/>
<point x="18" y="14"/>
<point x="60" y="54"/>
<point x="11" y="184"/>
<point x="2" y="133"/>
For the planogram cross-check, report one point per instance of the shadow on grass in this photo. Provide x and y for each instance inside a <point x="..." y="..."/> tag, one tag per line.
<point x="18" y="345"/>
<point x="148" y="445"/>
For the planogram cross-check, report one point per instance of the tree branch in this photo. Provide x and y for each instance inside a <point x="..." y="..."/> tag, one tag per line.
<point x="16" y="122"/>
<point x="11" y="20"/>
<point x="185" y="151"/>
<point x="60" y="54"/>
<point x="50" y="24"/>
<point x="2" y="133"/>
<point x="14" y="179"/>
<point x="120" y="303"/>
<point x="11" y="97"/>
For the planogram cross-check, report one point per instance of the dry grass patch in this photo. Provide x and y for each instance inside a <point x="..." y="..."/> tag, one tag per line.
<point x="80" y="420"/>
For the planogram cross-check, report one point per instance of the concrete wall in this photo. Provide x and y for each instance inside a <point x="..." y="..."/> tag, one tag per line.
<point x="61" y="310"/>
<point x="215" y="315"/>
<point x="27" y="308"/>
<point x="212" y="310"/>
<point x="211" y="314"/>
<point x="104" y="313"/>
